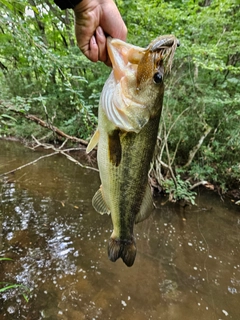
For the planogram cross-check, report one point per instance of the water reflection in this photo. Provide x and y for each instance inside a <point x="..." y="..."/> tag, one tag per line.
<point x="185" y="269"/>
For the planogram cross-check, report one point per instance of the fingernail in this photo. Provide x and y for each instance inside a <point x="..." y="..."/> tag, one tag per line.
<point x="100" y="31"/>
<point x="93" y="40"/>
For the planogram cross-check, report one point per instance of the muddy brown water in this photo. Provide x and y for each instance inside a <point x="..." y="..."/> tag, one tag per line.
<point x="184" y="270"/>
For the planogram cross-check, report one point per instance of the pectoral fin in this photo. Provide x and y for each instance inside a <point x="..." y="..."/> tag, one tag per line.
<point x="99" y="203"/>
<point x="146" y="207"/>
<point x="93" y="142"/>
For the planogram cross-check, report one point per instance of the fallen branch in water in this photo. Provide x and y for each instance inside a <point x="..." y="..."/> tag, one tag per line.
<point x="63" y="152"/>
<point x="56" y="151"/>
<point x="55" y="129"/>
<point x="200" y="183"/>
<point x="27" y="164"/>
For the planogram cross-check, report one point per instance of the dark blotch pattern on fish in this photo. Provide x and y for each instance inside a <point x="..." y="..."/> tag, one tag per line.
<point x="115" y="148"/>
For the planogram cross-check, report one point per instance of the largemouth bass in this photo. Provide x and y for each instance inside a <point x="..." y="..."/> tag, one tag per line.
<point x="128" y="119"/>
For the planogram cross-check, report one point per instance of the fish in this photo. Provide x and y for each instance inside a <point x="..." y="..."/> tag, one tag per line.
<point x="128" y="119"/>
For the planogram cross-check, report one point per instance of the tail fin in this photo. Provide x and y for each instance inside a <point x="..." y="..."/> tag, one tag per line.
<point x="125" y="249"/>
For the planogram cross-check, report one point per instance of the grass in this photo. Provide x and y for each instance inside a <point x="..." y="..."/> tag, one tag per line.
<point x="9" y="286"/>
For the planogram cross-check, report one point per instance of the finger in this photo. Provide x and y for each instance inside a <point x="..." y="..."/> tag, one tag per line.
<point x="102" y="44"/>
<point x="86" y="39"/>
<point x="92" y="53"/>
<point x="89" y="48"/>
<point x="102" y="47"/>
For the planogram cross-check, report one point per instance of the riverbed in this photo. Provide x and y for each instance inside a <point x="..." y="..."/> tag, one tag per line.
<point x="187" y="265"/>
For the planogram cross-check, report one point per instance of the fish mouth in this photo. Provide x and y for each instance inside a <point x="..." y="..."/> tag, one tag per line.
<point x="124" y="55"/>
<point x="165" y="47"/>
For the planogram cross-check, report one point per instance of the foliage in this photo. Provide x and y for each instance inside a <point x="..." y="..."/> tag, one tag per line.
<point x="42" y="72"/>
<point x="46" y="75"/>
<point x="180" y="191"/>
<point x="6" y="121"/>
<point x="202" y="100"/>
<point x="23" y="290"/>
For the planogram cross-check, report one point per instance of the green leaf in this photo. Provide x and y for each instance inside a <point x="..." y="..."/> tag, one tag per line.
<point x="11" y="286"/>
<point x="233" y="80"/>
<point x="7" y="4"/>
<point x="6" y="116"/>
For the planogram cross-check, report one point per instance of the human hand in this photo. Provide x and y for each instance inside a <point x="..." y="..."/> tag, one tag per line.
<point x="94" y="21"/>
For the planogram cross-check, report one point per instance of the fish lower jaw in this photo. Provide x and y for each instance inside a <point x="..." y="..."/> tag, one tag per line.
<point x="122" y="248"/>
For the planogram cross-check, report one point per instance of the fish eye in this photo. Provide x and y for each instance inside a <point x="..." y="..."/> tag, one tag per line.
<point x="157" y="78"/>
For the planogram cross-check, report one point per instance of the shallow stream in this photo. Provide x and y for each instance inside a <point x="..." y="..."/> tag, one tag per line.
<point x="187" y="266"/>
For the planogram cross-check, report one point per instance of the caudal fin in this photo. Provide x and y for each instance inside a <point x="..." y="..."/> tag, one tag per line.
<point x="125" y="249"/>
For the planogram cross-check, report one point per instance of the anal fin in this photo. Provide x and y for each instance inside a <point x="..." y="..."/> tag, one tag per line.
<point x="93" y="142"/>
<point x="146" y="207"/>
<point x="99" y="203"/>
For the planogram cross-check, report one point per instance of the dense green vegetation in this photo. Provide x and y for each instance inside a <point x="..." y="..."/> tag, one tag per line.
<point x="43" y="73"/>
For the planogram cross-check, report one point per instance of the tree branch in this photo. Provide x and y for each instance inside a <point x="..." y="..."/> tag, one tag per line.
<point x="27" y="164"/>
<point x="197" y="147"/>
<point x="44" y="124"/>
<point x="54" y="129"/>
<point x="56" y="151"/>
<point x="200" y="183"/>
